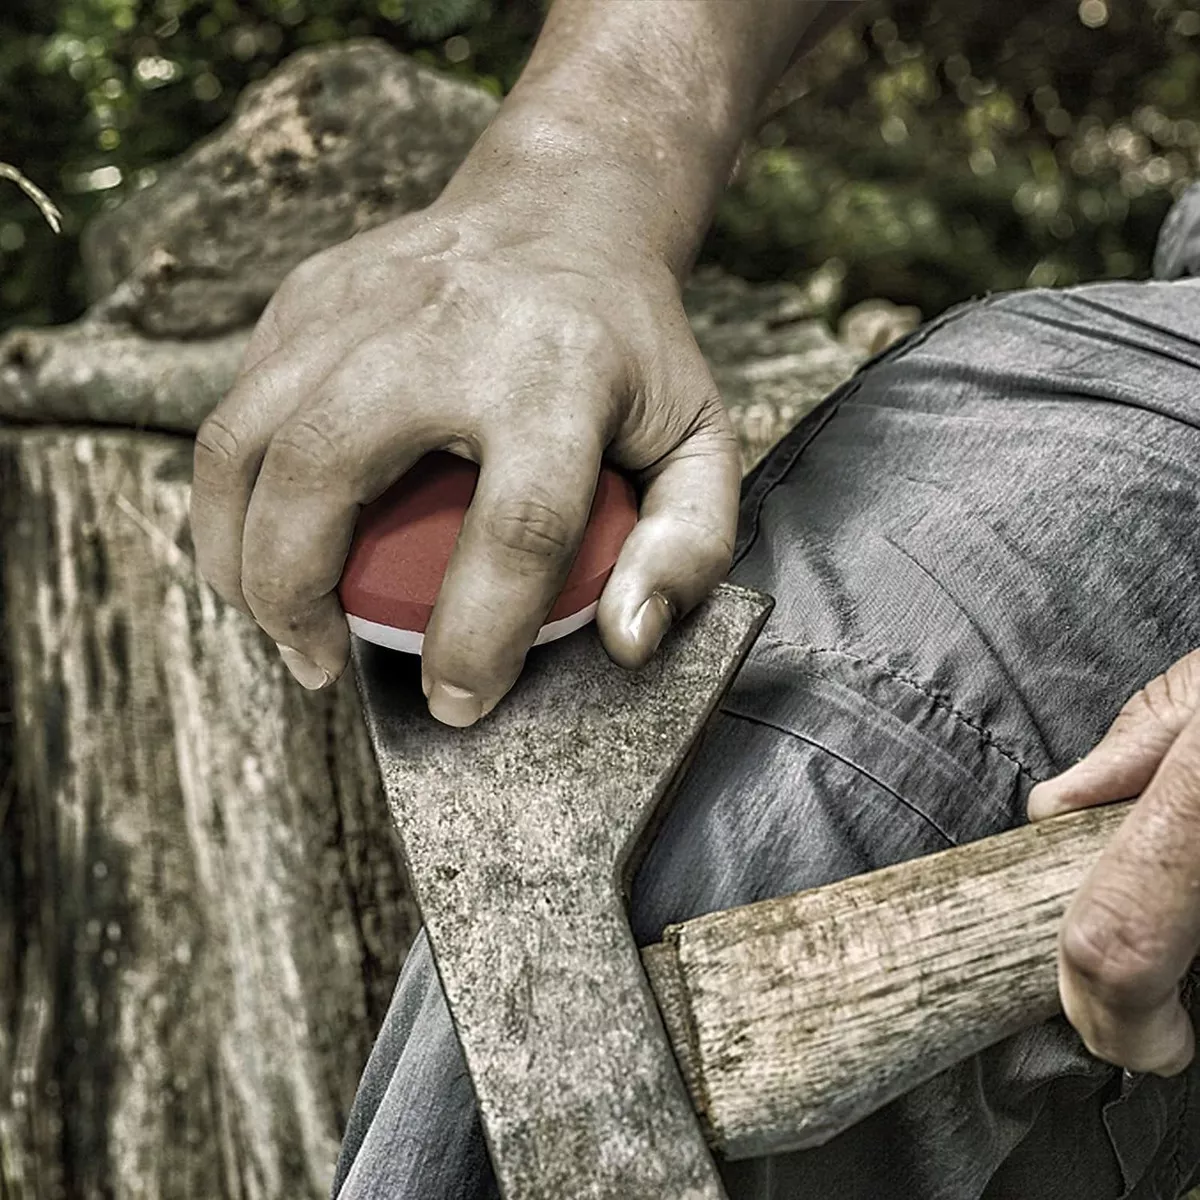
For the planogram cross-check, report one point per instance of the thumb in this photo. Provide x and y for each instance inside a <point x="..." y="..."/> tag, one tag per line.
<point x="681" y="547"/>
<point x="1125" y="759"/>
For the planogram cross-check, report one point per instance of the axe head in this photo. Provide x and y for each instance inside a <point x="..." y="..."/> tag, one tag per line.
<point x="518" y="834"/>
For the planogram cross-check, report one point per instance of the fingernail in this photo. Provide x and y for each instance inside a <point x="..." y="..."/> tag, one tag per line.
<point x="454" y="705"/>
<point x="651" y="622"/>
<point x="305" y="671"/>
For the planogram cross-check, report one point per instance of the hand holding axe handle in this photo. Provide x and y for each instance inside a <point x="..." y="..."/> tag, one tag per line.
<point x="794" y="1018"/>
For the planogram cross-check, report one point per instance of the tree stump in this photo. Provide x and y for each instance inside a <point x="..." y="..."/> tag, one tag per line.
<point x="203" y="909"/>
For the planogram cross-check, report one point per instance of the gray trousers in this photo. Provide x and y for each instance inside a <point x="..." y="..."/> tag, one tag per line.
<point x="980" y="546"/>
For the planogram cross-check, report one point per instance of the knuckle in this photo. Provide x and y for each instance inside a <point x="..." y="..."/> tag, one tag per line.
<point x="1107" y="1045"/>
<point x="1181" y="683"/>
<point x="1118" y="966"/>
<point x="716" y="548"/>
<point x="1121" y="1042"/>
<point x="578" y="328"/>
<point x="309" y="449"/>
<point x="1124" y="1050"/>
<point x="707" y="543"/>
<point x="269" y="594"/>
<point x="317" y="277"/>
<point x="218" y="450"/>
<point x="1170" y="699"/>
<point x="1157" y="701"/>
<point x="530" y="528"/>
<point x="304" y="274"/>
<point x="569" y="333"/>
<point x="589" y="339"/>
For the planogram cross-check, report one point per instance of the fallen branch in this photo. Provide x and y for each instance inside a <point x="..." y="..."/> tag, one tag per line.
<point x="46" y="206"/>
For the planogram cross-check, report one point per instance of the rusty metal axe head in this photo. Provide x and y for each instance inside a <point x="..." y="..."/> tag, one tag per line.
<point x="518" y="833"/>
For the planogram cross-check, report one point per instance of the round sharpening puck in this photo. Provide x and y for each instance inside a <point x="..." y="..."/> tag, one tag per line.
<point x="403" y="542"/>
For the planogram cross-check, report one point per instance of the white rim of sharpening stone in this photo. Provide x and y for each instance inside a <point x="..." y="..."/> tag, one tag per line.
<point x="409" y="642"/>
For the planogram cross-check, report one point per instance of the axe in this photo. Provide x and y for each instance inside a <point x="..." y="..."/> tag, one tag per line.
<point x="606" y="1073"/>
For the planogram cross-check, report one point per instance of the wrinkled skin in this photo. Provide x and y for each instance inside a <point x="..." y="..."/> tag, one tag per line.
<point x="533" y="354"/>
<point x="1133" y="928"/>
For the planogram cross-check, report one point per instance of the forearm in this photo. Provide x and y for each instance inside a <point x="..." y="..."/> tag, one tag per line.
<point x="636" y="110"/>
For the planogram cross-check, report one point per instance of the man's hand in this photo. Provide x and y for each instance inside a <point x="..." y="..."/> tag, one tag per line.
<point x="532" y="354"/>
<point x="1133" y="929"/>
<point x="530" y="320"/>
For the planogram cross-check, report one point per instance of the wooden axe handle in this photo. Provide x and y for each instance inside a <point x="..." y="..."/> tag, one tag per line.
<point x="794" y="1018"/>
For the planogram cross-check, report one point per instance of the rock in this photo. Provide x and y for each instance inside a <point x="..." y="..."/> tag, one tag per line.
<point x="202" y="905"/>
<point x="336" y="140"/>
<point x="772" y="359"/>
<point x="874" y="325"/>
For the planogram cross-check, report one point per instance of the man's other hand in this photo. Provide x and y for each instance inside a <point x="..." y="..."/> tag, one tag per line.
<point x="1133" y="928"/>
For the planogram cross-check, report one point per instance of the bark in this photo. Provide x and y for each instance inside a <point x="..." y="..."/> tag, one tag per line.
<point x="202" y="904"/>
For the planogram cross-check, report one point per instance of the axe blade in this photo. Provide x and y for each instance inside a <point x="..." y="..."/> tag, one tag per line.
<point x="518" y="833"/>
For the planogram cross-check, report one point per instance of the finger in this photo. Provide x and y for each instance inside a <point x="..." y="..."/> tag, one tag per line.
<point x="338" y="451"/>
<point x="1159" y="1040"/>
<point x="229" y="449"/>
<point x="1123" y="762"/>
<point x="1133" y="929"/>
<point x="681" y="547"/>
<point x="516" y="547"/>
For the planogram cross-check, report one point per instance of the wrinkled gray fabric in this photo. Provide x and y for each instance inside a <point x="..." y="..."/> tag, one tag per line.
<point x="1178" y="250"/>
<point x="979" y="546"/>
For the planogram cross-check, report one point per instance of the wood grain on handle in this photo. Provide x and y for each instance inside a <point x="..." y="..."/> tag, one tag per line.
<point x="794" y="1018"/>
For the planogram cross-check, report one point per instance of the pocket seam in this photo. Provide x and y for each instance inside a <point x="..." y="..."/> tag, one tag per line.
<point x="938" y="699"/>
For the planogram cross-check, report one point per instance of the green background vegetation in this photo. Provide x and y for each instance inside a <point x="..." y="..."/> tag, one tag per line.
<point x="929" y="152"/>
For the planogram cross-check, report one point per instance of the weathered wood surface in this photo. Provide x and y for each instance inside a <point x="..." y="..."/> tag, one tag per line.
<point x="167" y="771"/>
<point x="202" y="911"/>
<point x="202" y="907"/>
<point x="796" y="1017"/>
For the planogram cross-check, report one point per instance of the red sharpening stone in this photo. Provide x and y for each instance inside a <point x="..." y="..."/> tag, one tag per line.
<point x="403" y="541"/>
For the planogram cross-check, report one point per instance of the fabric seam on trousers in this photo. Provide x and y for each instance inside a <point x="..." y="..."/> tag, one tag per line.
<point x="941" y="701"/>
<point x="1014" y="687"/>
<point x="769" y="473"/>
<point x="859" y="770"/>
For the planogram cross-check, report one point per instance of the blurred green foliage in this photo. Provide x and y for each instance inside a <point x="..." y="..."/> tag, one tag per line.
<point x="928" y="152"/>
<point x="935" y="151"/>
